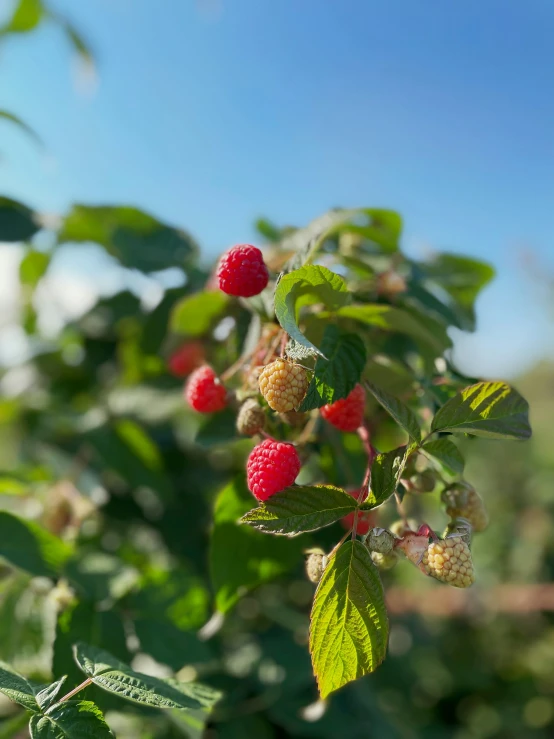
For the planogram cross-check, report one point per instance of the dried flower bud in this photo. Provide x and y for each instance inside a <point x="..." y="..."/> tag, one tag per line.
<point x="316" y="562"/>
<point x="380" y="540"/>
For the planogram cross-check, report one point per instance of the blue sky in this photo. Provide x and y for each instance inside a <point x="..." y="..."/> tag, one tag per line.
<point x="212" y="113"/>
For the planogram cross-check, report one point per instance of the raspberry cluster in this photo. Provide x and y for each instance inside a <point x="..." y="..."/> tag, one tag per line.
<point x="283" y="385"/>
<point x="346" y="414"/>
<point x="272" y="466"/>
<point x="242" y="271"/>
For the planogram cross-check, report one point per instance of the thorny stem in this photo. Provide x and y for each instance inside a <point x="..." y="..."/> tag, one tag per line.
<point x="363" y="433"/>
<point x="307" y="431"/>
<point x="340" y="543"/>
<point x="230" y="371"/>
<point x="80" y="687"/>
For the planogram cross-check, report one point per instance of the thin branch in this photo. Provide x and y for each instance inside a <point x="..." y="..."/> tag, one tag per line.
<point x="76" y="690"/>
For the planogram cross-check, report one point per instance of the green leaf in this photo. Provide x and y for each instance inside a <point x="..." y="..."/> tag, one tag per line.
<point x="18" y="688"/>
<point x="135" y="238"/>
<point x="116" y="677"/>
<point x="26" y="16"/>
<point x="491" y="409"/>
<point x="403" y="415"/>
<point x="20" y="123"/>
<point x="463" y="278"/>
<point x="386" y="470"/>
<point x="300" y="508"/>
<point x="196" y="314"/>
<point x="447" y="454"/>
<point x="13" y="486"/>
<point x="71" y="719"/>
<point x="17" y="222"/>
<point x="78" y="42"/>
<point x="28" y="546"/>
<point x="47" y="696"/>
<point x="33" y="267"/>
<point x="307" y="286"/>
<point x="349" y="625"/>
<point x="255" y="558"/>
<point x="337" y="372"/>
<point x="421" y="328"/>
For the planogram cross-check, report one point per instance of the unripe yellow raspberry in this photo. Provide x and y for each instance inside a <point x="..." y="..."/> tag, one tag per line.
<point x="463" y="502"/>
<point x="384" y="561"/>
<point x="449" y="560"/>
<point x="251" y="418"/>
<point x="283" y="385"/>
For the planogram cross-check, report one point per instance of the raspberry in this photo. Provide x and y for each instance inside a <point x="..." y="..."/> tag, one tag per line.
<point x="283" y="385"/>
<point x="316" y="561"/>
<point x="449" y="560"/>
<point x="366" y="519"/>
<point x="272" y="466"/>
<point x="346" y="414"/>
<point x="391" y="284"/>
<point x="293" y="418"/>
<point x="242" y="271"/>
<point x="251" y="418"/>
<point x="186" y="359"/>
<point x="462" y="501"/>
<point x="384" y="561"/>
<point x="204" y="391"/>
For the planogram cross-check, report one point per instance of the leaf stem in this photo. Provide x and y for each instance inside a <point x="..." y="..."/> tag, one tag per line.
<point x="76" y="690"/>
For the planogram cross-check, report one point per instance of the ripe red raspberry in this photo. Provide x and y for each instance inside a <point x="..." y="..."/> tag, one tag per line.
<point x="283" y="385"/>
<point x="242" y="271"/>
<point x="187" y="358"/>
<point x="272" y="466"/>
<point x="346" y="414"/>
<point x="204" y="391"/>
<point x="366" y="519"/>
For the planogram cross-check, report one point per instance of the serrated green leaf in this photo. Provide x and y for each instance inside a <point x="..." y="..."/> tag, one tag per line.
<point x="28" y="546"/>
<point x="256" y="558"/>
<point x="491" y="409"/>
<point x="25" y="17"/>
<point x="337" y="373"/>
<point x="386" y="470"/>
<point x="46" y="696"/>
<point x="18" y="688"/>
<point x="114" y="676"/>
<point x="307" y="286"/>
<point x="403" y="415"/>
<point x="447" y="454"/>
<point x="135" y="238"/>
<point x="387" y="317"/>
<point x="299" y="509"/>
<point x="17" y="222"/>
<point x="349" y="624"/>
<point x="71" y="719"/>
<point x="196" y="314"/>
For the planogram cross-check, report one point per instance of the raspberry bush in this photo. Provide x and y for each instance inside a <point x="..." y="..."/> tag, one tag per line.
<point x="172" y="470"/>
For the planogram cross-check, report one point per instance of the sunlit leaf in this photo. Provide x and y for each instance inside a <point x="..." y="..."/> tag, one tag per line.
<point x="299" y="509"/>
<point x="349" y="625"/>
<point x="492" y="409"/>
